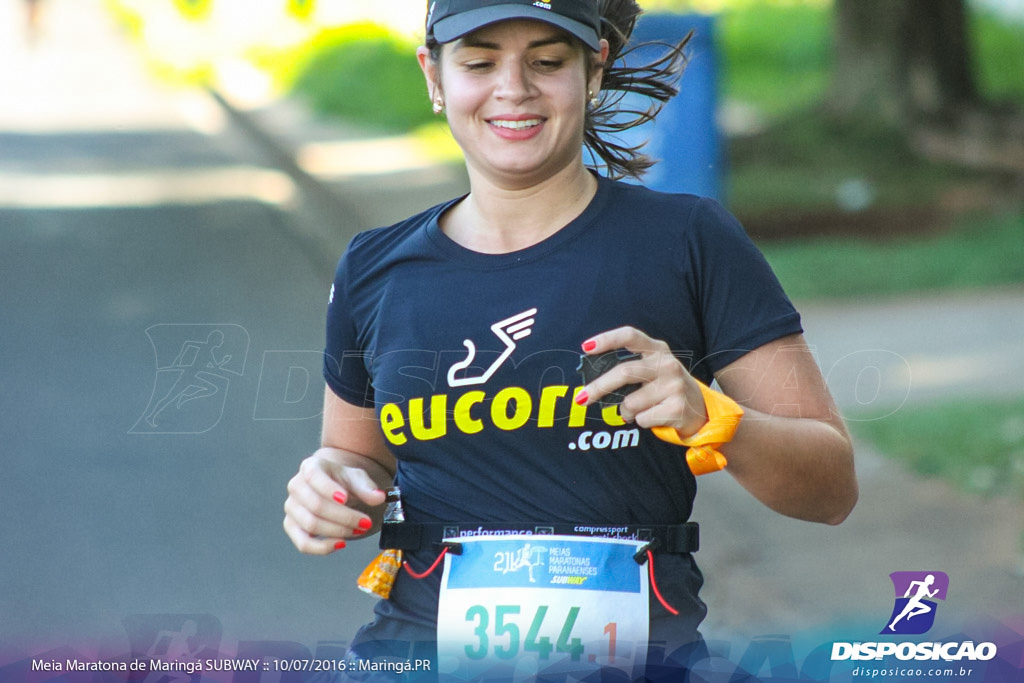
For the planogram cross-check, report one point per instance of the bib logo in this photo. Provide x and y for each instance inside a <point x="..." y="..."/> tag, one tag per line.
<point x="526" y="557"/>
<point x="916" y="592"/>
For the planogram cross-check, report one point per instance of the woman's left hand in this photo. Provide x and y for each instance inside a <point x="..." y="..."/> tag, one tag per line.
<point x="668" y="395"/>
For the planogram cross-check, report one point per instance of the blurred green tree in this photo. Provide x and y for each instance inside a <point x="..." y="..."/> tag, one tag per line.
<point x="363" y="72"/>
<point x="194" y="9"/>
<point x="301" y="8"/>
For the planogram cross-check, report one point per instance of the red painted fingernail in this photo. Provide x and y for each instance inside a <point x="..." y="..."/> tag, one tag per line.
<point x="339" y="545"/>
<point x="589" y="345"/>
<point x="365" y="524"/>
<point x="359" y="532"/>
<point x="340" y="497"/>
<point x="581" y="398"/>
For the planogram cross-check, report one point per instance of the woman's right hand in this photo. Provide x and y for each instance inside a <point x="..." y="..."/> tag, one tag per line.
<point x="331" y="500"/>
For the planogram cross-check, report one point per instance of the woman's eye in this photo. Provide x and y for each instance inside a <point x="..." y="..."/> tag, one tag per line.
<point x="478" y="66"/>
<point x="549" y="64"/>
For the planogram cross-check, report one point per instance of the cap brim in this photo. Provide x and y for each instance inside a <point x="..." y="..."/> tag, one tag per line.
<point x="454" y="27"/>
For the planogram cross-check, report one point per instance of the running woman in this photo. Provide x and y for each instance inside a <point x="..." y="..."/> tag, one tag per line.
<point x="453" y="340"/>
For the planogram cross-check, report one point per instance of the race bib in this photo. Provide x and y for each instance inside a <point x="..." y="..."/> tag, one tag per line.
<point x="517" y="606"/>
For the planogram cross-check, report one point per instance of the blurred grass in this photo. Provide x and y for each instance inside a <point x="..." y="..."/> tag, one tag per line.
<point x="981" y="251"/>
<point x="978" y="446"/>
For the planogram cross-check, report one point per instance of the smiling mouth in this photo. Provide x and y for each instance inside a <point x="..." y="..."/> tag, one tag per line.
<point x="515" y="125"/>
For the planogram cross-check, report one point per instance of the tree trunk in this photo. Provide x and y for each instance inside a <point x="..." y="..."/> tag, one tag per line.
<point x="900" y="61"/>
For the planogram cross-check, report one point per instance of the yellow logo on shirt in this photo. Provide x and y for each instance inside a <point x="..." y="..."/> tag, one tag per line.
<point x="511" y="408"/>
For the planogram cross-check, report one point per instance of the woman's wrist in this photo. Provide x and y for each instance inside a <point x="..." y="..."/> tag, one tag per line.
<point x="724" y="416"/>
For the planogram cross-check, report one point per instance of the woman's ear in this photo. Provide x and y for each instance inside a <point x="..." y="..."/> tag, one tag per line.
<point x="429" y="69"/>
<point x="600" y="63"/>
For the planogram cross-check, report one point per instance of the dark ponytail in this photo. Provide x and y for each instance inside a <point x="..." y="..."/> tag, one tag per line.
<point x="656" y="82"/>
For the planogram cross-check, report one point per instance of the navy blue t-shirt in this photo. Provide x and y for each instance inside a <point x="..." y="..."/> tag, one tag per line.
<point x="470" y="361"/>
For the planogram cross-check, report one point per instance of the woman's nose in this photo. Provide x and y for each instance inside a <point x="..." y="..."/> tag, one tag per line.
<point x="514" y="83"/>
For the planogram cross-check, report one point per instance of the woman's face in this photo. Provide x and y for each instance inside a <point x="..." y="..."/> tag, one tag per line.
<point x="515" y="94"/>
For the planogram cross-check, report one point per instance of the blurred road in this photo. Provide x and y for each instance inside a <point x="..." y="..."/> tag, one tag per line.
<point x="162" y="315"/>
<point x="163" y="284"/>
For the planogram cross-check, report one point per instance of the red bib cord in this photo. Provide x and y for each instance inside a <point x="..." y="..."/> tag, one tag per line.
<point x="650" y="570"/>
<point x="654" y="585"/>
<point x="430" y="570"/>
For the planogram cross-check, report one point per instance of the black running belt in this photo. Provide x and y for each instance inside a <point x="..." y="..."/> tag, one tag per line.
<point x="670" y="538"/>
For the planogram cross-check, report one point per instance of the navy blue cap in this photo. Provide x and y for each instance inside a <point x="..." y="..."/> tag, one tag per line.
<point x="449" y="20"/>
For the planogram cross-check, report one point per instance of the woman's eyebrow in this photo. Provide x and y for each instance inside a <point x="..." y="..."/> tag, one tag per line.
<point x="554" y="40"/>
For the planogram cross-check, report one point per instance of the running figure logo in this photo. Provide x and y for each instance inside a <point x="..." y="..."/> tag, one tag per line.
<point x="526" y="557"/>
<point x="194" y="366"/>
<point x="509" y="331"/>
<point x="916" y="592"/>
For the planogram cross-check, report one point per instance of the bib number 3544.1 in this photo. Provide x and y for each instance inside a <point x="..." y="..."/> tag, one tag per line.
<point x="529" y="604"/>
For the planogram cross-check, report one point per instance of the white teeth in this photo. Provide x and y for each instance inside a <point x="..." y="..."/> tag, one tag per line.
<point x="515" y="125"/>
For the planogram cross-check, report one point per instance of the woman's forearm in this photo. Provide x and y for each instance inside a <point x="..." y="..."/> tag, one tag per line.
<point x="799" y="467"/>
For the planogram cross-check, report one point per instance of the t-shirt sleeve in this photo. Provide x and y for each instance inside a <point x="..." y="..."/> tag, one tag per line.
<point x="345" y="356"/>
<point x="742" y="303"/>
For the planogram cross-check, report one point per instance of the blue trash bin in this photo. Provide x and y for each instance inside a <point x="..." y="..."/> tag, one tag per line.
<point x="684" y="137"/>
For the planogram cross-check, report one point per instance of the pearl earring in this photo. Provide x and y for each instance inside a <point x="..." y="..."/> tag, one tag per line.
<point x="438" y="105"/>
<point x="594" y="99"/>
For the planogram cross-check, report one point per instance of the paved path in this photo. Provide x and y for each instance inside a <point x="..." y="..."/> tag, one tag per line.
<point x="926" y="346"/>
<point x="135" y="223"/>
<point x="135" y="219"/>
